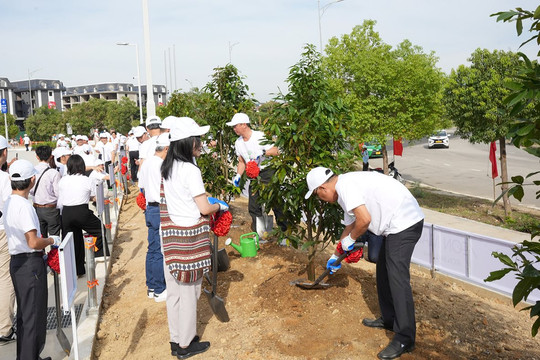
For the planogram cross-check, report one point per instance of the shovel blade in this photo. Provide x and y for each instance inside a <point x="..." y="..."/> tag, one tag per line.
<point x="63" y="340"/>
<point x="218" y="306"/>
<point x="306" y="285"/>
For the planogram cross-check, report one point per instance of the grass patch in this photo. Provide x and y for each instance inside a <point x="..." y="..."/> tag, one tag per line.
<point x="523" y="220"/>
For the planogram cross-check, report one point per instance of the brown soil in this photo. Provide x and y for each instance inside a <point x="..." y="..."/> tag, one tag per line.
<point x="272" y="319"/>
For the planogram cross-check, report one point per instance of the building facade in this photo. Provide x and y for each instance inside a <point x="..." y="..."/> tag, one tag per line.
<point x="34" y="93"/>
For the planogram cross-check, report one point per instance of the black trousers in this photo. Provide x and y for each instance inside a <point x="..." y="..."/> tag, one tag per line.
<point x="133" y="155"/>
<point x="394" y="282"/>
<point x="255" y="209"/>
<point x="30" y="282"/>
<point x="49" y="221"/>
<point x="76" y="219"/>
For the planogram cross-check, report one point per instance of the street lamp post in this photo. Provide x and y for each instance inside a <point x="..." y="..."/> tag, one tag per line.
<point x="138" y="76"/>
<point x="321" y="13"/>
<point x="150" y="103"/>
<point x="230" y="50"/>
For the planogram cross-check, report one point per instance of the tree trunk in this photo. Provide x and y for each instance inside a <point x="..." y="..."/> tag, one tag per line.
<point x="311" y="263"/>
<point x="504" y="177"/>
<point x="385" y="159"/>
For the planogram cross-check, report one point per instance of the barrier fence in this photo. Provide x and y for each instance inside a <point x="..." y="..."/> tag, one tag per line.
<point x="466" y="256"/>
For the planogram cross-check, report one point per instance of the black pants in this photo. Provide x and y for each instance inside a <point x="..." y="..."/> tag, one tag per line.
<point x="111" y="176"/>
<point x="49" y="221"/>
<point x="394" y="282"/>
<point x="76" y="219"/>
<point x="30" y="282"/>
<point x="133" y="155"/>
<point x="365" y="166"/>
<point x="255" y="209"/>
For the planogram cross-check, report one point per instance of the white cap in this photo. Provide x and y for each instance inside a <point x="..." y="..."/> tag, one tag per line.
<point x="59" y="135"/>
<point x="130" y="131"/>
<point x="139" y="131"/>
<point x="21" y="170"/>
<point x="3" y="142"/>
<point x="104" y="135"/>
<point x="84" y="137"/>
<point x="61" y="151"/>
<point x="169" y="122"/>
<point x="238" y="118"/>
<point x="187" y="127"/>
<point x="316" y="178"/>
<point x="163" y="140"/>
<point x="79" y="137"/>
<point x="98" y="162"/>
<point x="153" y="120"/>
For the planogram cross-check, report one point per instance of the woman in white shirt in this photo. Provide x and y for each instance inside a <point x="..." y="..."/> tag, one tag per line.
<point x="75" y="191"/>
<point x="181" y="208"/>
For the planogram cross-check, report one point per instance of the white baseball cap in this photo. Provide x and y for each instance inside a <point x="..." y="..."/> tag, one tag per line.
<point x="238" y="118"/>
<point x="104" y="135"/>
<point x="187" y="127"/>
<point x="316" y="177"/>
<point x="163" y="140"/>
<point x="153" y="120"/>
<point x="3" y="142"/>
<point x="59" y="135"/>
<point x="21" y="170"/>
<point x="169" y="122"/>
<point x="98" y="162"/>
<point x="61" y="151"/>
<point x="139" y="131"/>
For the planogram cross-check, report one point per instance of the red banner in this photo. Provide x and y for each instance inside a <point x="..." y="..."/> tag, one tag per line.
<point x="398" y="147"/>
<point x="493" y="159"/>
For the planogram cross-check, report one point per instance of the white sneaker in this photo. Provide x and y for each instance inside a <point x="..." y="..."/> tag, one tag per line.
<point x="160" y="297"/>
<point x="150" y="293"/>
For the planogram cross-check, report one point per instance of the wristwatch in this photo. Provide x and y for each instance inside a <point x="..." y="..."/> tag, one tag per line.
<point x="264" y="152"/>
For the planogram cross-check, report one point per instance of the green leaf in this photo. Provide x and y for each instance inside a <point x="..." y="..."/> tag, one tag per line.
<point x="521" y="291"/>
<point x="537" y="13"/>
<point x="519" y="26"/>
<point x="505" y="259"/>
<point x="534" y="329"/>
<point x="497" y="275"/>
<point x="518" y="179"/>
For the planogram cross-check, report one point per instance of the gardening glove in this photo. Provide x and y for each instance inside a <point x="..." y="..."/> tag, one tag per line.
<point x="330" y="264"/>
<point x="223" y="206"/>
<point x="57" y="240"/>
<point x="236" y="180"/>
<point x="347" y="243"/>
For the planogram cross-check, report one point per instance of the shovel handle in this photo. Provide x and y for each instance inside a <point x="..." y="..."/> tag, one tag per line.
<point x="356" y="246"/>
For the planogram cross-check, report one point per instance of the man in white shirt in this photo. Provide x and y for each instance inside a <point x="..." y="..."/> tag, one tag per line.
<point x="147" y="148"/>
<point x="382" y="205"/>
<point x="61" y="156"/>
<point x="107" y="152"/>
<point x="248" y="148"/>
<point x="150" y="182"/>
<point x="132" y="148"/>
<point x="61" y="142"/>
<point x="7" y="293"/>
<point x="27" y="142"/>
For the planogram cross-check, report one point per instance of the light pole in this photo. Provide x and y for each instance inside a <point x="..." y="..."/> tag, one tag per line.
<point x="138" y="75"/>
<point x="30" y="73"/>
<point x="321" y="13"/>
<point x="150" y="103"/>
<point x="230" y="50"/>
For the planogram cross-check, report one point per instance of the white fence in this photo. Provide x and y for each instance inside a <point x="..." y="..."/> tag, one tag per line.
<point x="466" y="256"/>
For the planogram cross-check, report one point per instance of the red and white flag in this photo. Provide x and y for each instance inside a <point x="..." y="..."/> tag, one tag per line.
<point x="493" y="159"/>
<point x="398" y="147"/>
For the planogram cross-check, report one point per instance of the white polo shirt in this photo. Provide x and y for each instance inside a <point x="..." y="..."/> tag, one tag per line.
<point x="75" y="190"/>
<point x="390" y="204"/>
<point x="251" y="149"/>
<point x="183" y="185"/>
<point x="132" y="143"/>
<point x="20" y="218"/>
<point x="5" y="192"/>
<point x="150" y="178"/>
<point x="148" y="148"/>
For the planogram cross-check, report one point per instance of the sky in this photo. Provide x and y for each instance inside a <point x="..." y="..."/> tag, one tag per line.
<point x="75" y="41"/>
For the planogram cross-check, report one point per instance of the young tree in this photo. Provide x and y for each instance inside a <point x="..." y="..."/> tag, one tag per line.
<point x="13" y="129"/>
<point x="474" y="98"/>
<point x="391" y="92"/>
<point x="310" y="127"/>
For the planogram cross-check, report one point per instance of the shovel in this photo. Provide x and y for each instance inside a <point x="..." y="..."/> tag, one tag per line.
<point x="62" y="339"/>
<point x="264" y="225"/>
<point x="317" y="284"/>
<point x="216" y="303"/>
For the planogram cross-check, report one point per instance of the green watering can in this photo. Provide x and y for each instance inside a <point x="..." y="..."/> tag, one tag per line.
<point x="249" y="244"/>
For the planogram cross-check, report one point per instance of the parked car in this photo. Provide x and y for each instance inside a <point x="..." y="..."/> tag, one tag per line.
<point x="374" y="150"/>
<point x="439" y="139"/>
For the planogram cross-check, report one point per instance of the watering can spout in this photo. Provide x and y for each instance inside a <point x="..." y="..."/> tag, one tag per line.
<point x="238" y="248"/>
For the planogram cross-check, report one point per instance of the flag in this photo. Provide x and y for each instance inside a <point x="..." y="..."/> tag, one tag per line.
<point x="398" y="147"/>
<point x="493" y="159"/>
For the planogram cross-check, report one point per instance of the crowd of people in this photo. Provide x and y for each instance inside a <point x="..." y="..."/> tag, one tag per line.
<point x="163" y="161"/>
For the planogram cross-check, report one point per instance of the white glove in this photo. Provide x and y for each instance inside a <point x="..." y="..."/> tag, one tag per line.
<point x="347" y="243"/>
<point x="57" y="240"/>
<point x="236" y="180"/>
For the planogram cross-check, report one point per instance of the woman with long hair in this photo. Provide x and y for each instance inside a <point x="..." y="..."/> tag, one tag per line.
<point x="185" y="235"/>
<point x="74" y="193"/>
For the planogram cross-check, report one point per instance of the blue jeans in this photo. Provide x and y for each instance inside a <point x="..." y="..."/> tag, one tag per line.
<point x="155" y="277"/>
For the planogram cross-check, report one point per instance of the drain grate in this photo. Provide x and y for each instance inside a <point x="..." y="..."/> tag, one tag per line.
<point x="66" y="319"/>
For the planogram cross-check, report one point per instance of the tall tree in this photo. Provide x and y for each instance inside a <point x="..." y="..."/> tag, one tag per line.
<point x="44" y="123"/>
<point x="122" y="116"/>
<point x="392" y="92"/>
<point x="309" y="126"/>
<point x="474" y="99"/>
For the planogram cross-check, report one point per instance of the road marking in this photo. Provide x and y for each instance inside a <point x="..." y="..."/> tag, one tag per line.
<point x="447" y="165"/>
<point x="476" y="170"/>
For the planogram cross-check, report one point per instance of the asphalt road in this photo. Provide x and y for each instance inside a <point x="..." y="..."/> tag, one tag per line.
<point x="463" y="168"/>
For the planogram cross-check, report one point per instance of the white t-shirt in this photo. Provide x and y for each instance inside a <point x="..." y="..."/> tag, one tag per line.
<point x="251" y="149"/>
<point x="184" y="183"/>
<point x="96" y="175"/>
<point x="150" y="178"/>
<point x="5" y="192"/>
<point x="75" y="190"/>
<point x="390" y="204"/>
<point x="148" y="148"/>
<point x="26" y="140"/>
<point x="105" y="150"/>
<point x="20" y="219"/>
<point x="132" y="143"/>
<point x="61" y="143"/>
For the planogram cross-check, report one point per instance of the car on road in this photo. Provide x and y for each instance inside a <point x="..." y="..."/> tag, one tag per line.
<point x="374" y="150"/>
<point x="439" y="139"/>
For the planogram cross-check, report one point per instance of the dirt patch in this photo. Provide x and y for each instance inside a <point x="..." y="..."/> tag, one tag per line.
<point x="272" y="319"/>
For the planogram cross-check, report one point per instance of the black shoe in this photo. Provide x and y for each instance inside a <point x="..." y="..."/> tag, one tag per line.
<point x="377" y="323"/>
<point x="8" y="338"/>
<point x="395" y="349"/>
<point x="174" y="346"/>
<point x="193" y="349"/>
